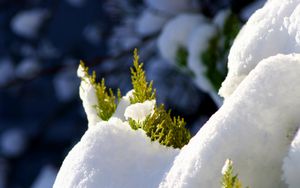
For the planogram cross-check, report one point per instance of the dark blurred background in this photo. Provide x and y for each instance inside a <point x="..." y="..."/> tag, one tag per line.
<point x="41" y="43"/>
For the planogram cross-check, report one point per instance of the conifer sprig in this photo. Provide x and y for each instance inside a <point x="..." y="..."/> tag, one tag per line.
<point x="167" y="130"/>
<point x="160" y="125"/>
<point x="229" y="180"/>
<point x="142" y="89"/>
<point x="106" y="100"/>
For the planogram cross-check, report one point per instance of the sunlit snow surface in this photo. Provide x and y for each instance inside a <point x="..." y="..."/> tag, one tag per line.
<point x="271" y="30"/>
<point x="112" y="154"/>
<point x="253" y="128"/>
<point x="291" y="165"/>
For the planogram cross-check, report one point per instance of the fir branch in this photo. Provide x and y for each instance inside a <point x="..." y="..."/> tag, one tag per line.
<point x="229" y="180"/>
<point x="142" y="89"/>
<point x="106" y="100"/>
<point x="160" y="125"/>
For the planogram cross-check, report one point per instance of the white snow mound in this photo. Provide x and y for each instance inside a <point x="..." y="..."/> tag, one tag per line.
<point x="139" y="111"/>
<point x="252" y="128"/>
<point x="122" y="106"/>
<point x="111" y="154"/>
<point x="271" y="30"/>
<point x="291" y="165"/>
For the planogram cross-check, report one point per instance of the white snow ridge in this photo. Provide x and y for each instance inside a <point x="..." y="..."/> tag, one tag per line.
<point x="271" y="30"/>
<point x="111" y="154"/>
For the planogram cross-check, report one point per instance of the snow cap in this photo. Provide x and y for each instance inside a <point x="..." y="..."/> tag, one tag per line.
<point x="139" y="111"/>
<point x="242" y="129"/>
<point x="112" y="154"/>
<point x="271" y="30"/>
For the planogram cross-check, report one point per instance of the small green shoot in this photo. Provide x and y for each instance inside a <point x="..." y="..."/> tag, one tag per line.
<point x="160" y="125"/>
<point x="142" y="89"/>
<point x="229" y="180"/>
<point x="106" y="100"/>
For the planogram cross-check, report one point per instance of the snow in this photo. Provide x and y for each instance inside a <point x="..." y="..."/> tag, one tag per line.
<point x="226" y="166"/>
<point x="175" y="34"/>
<point x="89" y="98"/>
<point x="139" y="111"/>
<point x="7" y="72"/>
<point x="111" y="154"/>
<point x="123" y="104"/>
<point x="27" y="23"/>
<point x="81" y="72"/>
<point x="27" y="68"/>
<point x="269" y="31"/>
<point x="46" y="178"/>
<point x="198" y="42"/>
<point x="13" y="142"/>
<point x="250" y="129"/>
<point x="172" y="6"/>
<point x="291" y="165"/>
<point x="150" y="22"/>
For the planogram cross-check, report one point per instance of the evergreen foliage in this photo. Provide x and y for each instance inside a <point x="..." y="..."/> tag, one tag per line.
<point x="106" y="100"/>
<point x="160" y="125"/>
<point x="142" y="89"/>
<point x="229" y="180"/>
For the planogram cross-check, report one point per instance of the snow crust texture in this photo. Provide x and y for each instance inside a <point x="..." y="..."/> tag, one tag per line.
<point x="271" y="30"/>
<point x="291" y="165"/>
<point x="250" y="128"/>
<point x="111" y="154"/>
<point x="139" y="111"/>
